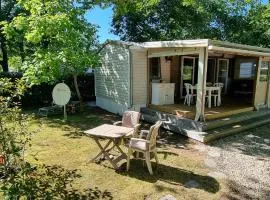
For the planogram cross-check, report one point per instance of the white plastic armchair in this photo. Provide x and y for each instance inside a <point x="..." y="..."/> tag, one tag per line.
<point x="189" y="94"/>
<point x="146" y="146"/>
<point x="220" y="85"/>
<point x="130" y="119"/>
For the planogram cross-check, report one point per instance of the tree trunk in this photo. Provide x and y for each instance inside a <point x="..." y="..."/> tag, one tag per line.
<point x="3" y="45"/>
<point x="75" y="79"/>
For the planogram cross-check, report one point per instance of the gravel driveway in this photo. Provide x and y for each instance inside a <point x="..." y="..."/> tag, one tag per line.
<point x="243" y="161"/>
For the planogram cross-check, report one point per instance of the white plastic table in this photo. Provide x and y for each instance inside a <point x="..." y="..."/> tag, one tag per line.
<point x="209" y="90"/>
<point x="112" y="133"/>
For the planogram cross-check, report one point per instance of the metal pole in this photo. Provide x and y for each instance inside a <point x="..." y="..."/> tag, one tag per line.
<point x="65" y="113"/>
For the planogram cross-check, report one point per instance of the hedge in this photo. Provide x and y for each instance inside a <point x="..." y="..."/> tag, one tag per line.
<point x="41" y="95"/>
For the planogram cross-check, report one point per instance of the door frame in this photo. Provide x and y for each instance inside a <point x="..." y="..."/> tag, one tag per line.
<point x="181" y="75"/>
<point x="267" y="82"/>
<point x="227" y="75"/>
<point x="215" y="67"/>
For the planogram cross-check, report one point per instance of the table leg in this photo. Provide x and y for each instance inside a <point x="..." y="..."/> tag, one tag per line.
<point x="105" y="152"/>
<point x="120" y="157"/>
<point x="118" y="147"/>
<point x="101" y="148"/>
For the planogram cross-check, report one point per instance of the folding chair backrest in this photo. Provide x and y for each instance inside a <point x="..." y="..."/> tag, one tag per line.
<point x="153" y="132"/>
<point x="130" y="119"/>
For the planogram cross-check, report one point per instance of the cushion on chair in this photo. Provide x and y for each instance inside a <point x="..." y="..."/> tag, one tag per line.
<point x="138" y="144"/>
<point x="130" y="119"/>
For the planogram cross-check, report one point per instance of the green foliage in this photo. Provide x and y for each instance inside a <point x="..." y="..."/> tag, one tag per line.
<point x="14" y="132"/>
<point x="49" y="182"/>
<point x="20" y="179"/>
<point x="259" y="23"/>
<point x="15" y="136"/>
<point x="15" y="63"/>
<point x="45" y="182"/>
<point x="9" y="9"/>
<point x="62" y="41"/>
<point x="243" y="21"/>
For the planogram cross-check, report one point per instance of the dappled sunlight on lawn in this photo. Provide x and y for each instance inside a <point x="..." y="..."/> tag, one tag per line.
<point x="171" y="175"/>
<point x="56" y="182"/>
<point x="64" y="144"/>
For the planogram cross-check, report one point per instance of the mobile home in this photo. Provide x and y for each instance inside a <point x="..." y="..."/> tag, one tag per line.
<point x="227" y="80"/>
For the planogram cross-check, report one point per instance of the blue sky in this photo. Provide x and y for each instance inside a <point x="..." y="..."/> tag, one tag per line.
<point x="102" y="18"/>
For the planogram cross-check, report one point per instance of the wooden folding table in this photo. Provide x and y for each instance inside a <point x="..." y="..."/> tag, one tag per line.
<point x="113" y="134"/>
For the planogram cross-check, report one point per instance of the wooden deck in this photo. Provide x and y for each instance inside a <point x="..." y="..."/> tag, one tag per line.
<point x="213" y="113"/>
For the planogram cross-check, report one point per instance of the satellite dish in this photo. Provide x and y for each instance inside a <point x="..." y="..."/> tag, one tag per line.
<point x="61" y="95"/>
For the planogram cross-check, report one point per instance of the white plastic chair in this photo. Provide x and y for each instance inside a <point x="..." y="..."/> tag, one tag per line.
<point x="220" y="85"/>
<point x="213" y="95"/>
<point x="145" y="146"/>
<point x="189" y="94"/>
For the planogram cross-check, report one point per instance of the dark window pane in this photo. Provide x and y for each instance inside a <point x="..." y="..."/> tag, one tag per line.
<point x="247" y="70"/>
<point x="155" y="68"/>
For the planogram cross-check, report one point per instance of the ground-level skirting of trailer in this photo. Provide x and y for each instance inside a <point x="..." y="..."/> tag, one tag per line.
<point x="207" y="132"/>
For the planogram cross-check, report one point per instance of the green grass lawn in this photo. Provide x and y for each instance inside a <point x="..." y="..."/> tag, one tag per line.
<point x="63" y="144"/>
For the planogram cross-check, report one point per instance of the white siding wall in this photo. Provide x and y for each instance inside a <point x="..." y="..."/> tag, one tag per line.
<point x="139" y="67"/>
<point x="165" y="70"/>
<point x="112" y="79"/>
<point x="110" y="105"/>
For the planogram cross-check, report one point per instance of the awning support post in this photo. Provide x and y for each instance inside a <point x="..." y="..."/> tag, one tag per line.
<point x="201" y="86"/>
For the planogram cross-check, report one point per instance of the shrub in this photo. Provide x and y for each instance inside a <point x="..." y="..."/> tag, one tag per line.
<point x="14" y="131"/>
<point x="20" y="179"/>
<point x="41" y="95"/>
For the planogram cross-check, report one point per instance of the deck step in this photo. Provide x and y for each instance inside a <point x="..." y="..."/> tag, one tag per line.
<point x="212" y="130"/>
<point x="210" y="125"/>
<point x="235" y="128"/>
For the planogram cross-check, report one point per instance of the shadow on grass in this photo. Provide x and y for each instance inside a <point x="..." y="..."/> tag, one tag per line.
<point x="94" y="116"/>
<point x="79" y="122"/>
<point x="168" y="138"/>
<point x="52" y="182"/>
<point x="171" y="175"/>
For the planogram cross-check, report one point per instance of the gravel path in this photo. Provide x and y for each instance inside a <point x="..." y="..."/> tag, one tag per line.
<point x="243" y="160"/>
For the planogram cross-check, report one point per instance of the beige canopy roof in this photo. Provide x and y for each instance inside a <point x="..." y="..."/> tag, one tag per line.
<point x="212" y="45"/>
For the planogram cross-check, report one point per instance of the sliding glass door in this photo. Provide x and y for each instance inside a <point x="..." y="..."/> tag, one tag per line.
<point x="187" y="73"/>
<point x="222" y="73"/>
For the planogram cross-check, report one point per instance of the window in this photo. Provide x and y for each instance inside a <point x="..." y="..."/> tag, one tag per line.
<point x="155" y="68"/>
<point x="247" y="70"/>
<point x="188" y="65"/>
<point x="264" y="72"/>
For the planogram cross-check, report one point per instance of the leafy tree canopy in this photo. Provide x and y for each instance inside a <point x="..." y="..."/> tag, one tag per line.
<point x="8" y="10"/>
<point x="232" y="20"/>
<point x="62" y="41"/>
